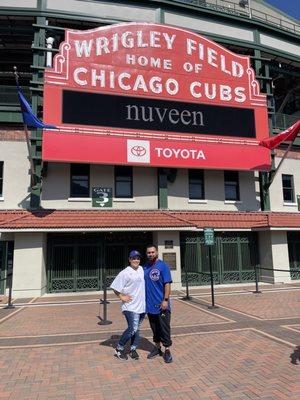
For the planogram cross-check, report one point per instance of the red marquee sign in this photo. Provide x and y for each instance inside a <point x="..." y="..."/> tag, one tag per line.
<point x="149" y="94"/>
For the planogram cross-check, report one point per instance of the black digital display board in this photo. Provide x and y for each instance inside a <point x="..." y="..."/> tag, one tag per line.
<point x="148" y="114"/>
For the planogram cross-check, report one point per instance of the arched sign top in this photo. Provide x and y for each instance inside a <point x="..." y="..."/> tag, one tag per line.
<point x="150" y="83"/>
<point x="154" y="60"/>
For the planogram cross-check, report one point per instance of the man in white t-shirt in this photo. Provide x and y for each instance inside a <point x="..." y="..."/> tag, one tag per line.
<point x="129" y="286"/>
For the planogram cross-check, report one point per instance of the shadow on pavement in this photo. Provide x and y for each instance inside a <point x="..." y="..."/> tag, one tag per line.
<point x="295" y="357"/>
<point x="145" y="344"/>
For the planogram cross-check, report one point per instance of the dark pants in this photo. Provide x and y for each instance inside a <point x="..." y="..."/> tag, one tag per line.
<point x="160" y="325"/>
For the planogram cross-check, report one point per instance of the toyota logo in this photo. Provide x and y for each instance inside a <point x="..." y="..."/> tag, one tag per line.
<point x="138" y="151"/>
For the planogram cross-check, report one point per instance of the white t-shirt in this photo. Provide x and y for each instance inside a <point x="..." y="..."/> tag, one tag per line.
<point x="131" y="281"/>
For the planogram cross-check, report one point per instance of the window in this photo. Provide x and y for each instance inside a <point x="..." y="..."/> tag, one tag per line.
<point x="288" y="188"/>
<point x="80" y="180"/>
<point x="196" y="184"/>
<point x="123" y="182"/>
<point x="1" y="178"/>
<point x="232" y="187"/>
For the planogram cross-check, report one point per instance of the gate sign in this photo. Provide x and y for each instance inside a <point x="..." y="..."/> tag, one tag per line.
<point x="209" y="236"/>
<point x="163" y="95"/>
<point x="101" y="197"/>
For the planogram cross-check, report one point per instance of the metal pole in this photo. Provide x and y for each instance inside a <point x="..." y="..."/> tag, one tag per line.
<point x="104" y="300"/>
<point x="211" y="280"/>
<point x="187" y="294"/>
<point x="9" y="303"/>
<point x="250" y="10"/>
<point x="104" y="320"/>
<point x="257" y="291"/>
<point x="279" y="165"/>
<point x="32" y="169"/>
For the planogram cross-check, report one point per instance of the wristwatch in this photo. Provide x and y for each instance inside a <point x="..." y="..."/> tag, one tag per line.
<point x="166" y="299"/>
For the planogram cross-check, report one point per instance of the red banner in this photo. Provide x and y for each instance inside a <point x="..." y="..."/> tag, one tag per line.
<point x="159" y="153"/>
<point x="149" y="81"/>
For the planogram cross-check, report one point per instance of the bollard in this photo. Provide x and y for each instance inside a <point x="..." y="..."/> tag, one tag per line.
<point x="211" y="281"/>
<point x="104" y="300"/>
<point x="257" y="291"/>
<point x="104" y="320"/>
<point x="9" y="303"/>
<point x="187" y="295"/>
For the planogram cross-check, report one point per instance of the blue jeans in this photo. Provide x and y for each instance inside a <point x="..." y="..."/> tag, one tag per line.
<point x="134" y="321"/>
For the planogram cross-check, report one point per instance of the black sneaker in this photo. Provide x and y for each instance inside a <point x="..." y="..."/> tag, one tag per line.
<point x="156" y="351"/>
<point x="121" y="355"/>
<point x="134" y="354"/>
<point x="168" y="356"/>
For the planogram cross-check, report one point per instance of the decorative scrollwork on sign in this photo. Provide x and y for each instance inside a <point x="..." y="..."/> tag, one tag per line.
<point x="254" y="89"/>
<point x="60" y="71"/>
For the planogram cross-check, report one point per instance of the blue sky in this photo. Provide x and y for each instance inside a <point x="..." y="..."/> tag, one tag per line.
<point x="290" y="7"/>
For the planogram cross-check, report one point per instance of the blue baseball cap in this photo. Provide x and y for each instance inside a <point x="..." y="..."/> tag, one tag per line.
<point x="134" y="253"/>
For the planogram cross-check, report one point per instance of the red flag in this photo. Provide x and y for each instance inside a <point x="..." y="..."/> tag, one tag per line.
<point x="289" y="135"/>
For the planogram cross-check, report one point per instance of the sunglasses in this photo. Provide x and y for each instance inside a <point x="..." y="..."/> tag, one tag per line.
<point x="135" y="258"/>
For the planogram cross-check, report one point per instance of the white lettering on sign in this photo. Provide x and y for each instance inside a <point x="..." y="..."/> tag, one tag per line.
<point x="214" y="58"/>
<point x="189" y="67"/>
<point x="142" y="55"/>
<point x="103" y="198"/>
<point x="126" y="40"/>
<point x="157" y="40"/>
<point x="125" y="81"/>
<point x="168" y="152"/>
<point x="220" y="92"/>
<point x="153" y="62"/>
<point x="156" y="84"/>
<point x="83" y="48"/>
<point x="157" y="114"/>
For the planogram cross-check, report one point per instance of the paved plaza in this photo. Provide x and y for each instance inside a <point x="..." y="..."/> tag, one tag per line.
<point x="52" y="348"/>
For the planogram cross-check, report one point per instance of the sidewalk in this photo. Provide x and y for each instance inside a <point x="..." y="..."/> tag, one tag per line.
<point x="248" y="348"/>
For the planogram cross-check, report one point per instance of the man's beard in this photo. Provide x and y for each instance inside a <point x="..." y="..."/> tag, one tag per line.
<point x="152" y="260"/>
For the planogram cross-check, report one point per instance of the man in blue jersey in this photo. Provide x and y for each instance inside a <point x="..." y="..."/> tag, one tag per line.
<point x="158" y="289"/>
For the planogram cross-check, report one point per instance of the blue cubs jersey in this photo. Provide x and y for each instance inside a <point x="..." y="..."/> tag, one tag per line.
<point x="156" y="276"/>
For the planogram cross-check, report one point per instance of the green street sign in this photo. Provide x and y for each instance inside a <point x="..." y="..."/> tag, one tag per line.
<point x="209" y="236"/>
<point x="101" y="197"/>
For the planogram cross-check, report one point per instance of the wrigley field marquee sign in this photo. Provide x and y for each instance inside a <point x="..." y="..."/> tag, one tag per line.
<point x="153" y="95"/>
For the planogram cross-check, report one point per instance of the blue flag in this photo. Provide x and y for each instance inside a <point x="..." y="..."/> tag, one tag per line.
<point x="29" y="118"/>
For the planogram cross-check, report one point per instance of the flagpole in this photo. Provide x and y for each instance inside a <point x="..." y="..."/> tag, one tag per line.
<point x="267" y="186"/>
<point x="30" y="156"/>
<point x="32" y="169"/>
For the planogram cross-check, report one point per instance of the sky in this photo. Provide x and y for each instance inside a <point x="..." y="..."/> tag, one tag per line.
<point x="290" y="7"/>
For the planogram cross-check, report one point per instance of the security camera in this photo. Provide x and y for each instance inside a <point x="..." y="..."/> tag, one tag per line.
<point x="243" y="3"/>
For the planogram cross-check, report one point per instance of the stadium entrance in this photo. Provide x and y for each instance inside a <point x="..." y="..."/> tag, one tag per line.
<point x="79" y="262"/>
